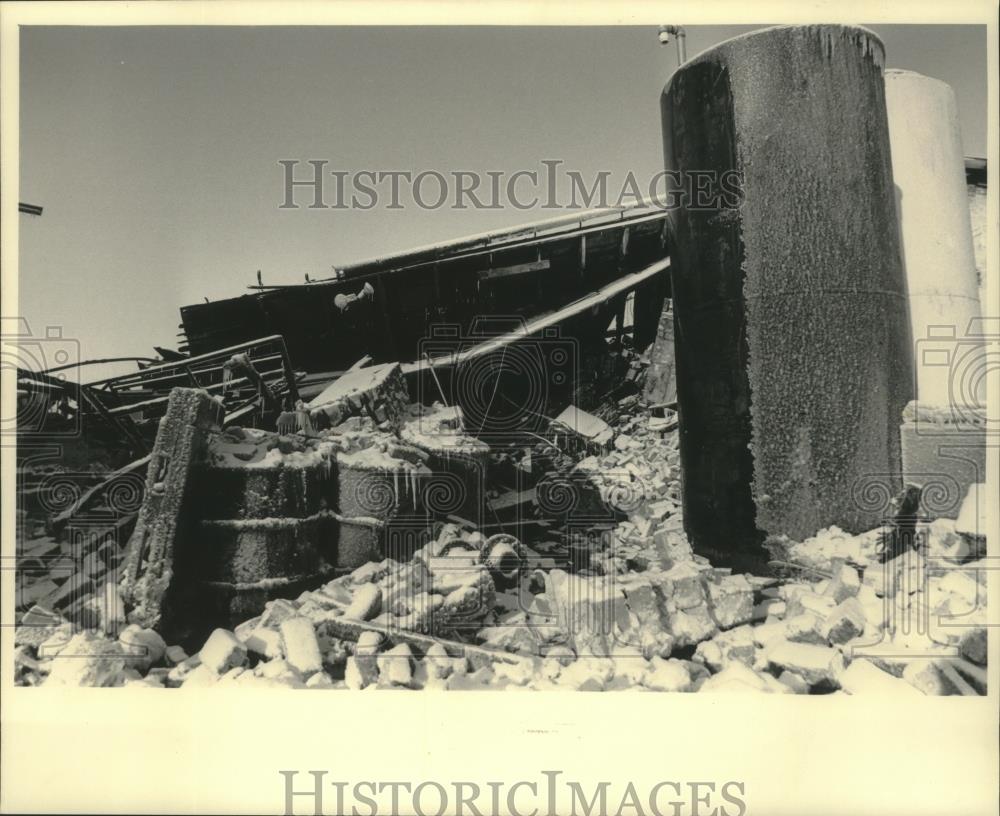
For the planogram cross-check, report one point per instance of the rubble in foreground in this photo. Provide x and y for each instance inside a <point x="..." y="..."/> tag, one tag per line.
<point x="474" y="610"/>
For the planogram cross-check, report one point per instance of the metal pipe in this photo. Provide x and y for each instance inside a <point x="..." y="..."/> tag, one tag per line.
<point x="678" y="32"/>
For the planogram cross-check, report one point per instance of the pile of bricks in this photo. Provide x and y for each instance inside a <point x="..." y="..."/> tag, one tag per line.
<point x="467" y="610"/>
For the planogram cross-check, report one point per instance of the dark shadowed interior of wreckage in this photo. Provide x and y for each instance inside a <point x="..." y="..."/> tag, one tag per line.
<point x="603" y="451"/>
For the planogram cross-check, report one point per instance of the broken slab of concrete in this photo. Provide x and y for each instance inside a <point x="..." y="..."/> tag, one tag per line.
<point x="378" y="391"/>
<point x="180" y="448"/>
<point x="661" y="377"/>
<point x="593" y="430"/>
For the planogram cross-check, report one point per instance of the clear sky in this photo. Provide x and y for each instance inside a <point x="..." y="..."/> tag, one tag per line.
<point x="155" y="151"/>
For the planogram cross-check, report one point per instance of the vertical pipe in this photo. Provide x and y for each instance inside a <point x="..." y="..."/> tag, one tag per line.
<point x="791" y="331"/>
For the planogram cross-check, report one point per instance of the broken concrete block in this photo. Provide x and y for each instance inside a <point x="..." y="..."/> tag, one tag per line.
<point x="320" y="680"/>
<point x="440" y="664"/>
<point x="739" y="678"/>
<point x="359" y="675"/>
<point x="671" y="547"/>
<point x="630" y="665"/>
<point x="200" y="677"/>
<point x="821" y="605"/>
<point x="551" y="669"/>
<point x="644" y="601"/>
<point x="177" y="674"/>
<point x="518" y="673"/>
<point x="57" y="640"/>
<point x="564" y="655"/>
<point x="667" y="675"/>
<point x="926" y="677"/>
<point x="180" y="444"/>
<point x="395" y="666"/>
<point x="805" y="628"/>
<point x="301" y="648"/>
<point x="377" y="389"/>
<point x="276" y="611"/>
<point x="961" y="584"/>
<point x="337" y="592"/>
<point x="864" y="677"/>
<point x="370" y="572"/>
<point x="88" y="660"/>
<point x="727" y="646"/>
<point x="367" y="647"/>
<point x="37" y="625"/>
<point x="794" y="681"/>
<point x="878" y="577"/>
<point x="152" y="681"/>
<point x="143" y="646"/>
<point x="655" y="641"/>
<point x="972" y="644"/>
<point x="252" y="679"/>
<point x="945" y="542"/>
<point x="692" y="625"/>
<point x="481" y="677"/>
<point x="520" y="639"/>
<point x="816" y="664"/>
<point x="587" y="674"/>
<point x="279" y="670"/>
<point x="584" y="607"/>
<point x="846" y="622"/>
<point x="770" y="630"/>
<point x="265" y="642"/>
<point x="730" y="600"/>
<point x="845" y="582"/>
<point x="234" y="674"/>
<point x="366" y="603"/>
<point x="682" y="587"/>
<point x="420" y="611"/>
<point x="222" y="651"/>
<point x="769" y="608"/>
<point x="574" y="420"/>
<point x="175" y="655"/>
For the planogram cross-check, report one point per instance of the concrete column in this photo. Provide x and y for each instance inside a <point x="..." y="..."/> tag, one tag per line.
<point x="943" y="431"/>
<point x="791" y="329"/>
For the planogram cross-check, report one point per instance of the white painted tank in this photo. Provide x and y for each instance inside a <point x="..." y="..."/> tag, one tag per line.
<point x="936" y="238"/>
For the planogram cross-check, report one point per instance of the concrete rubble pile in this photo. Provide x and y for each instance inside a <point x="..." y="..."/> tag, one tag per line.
<point x="472" y="610"/>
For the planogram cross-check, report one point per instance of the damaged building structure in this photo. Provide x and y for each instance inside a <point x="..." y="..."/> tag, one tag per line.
<point x="680" y="450"/>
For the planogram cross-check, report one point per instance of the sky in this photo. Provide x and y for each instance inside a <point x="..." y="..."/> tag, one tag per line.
<point x="154" y="151"/>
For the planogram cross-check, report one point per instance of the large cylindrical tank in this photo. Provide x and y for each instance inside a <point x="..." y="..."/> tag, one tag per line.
<point x="943" y="432"/>
<point x="790" y="321"/>
<point x="928" y="167"/>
